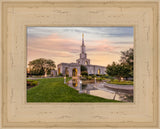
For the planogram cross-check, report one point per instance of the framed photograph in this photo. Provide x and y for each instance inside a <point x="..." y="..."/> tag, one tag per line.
<point x="61" y="61"/>
<point x="79" y="64"/>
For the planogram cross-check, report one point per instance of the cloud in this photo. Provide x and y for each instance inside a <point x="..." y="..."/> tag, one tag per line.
<point x="91" y="32"/>
<point x="53" y="43"/>
<point x="63" y="44"/>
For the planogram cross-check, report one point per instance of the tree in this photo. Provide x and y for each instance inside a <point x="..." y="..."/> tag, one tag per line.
<point x="111" y="69"/>
<point x="124" y="68"/>
<point x="115" y="70"/>
<point x="118" y="70"/>
<point x="127" y="59"/>
<point x="41" y="66"/>
<point x="127" y="56"/>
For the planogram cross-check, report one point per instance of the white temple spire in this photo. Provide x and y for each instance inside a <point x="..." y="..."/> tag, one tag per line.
<point x="82" y="39"/>
<point x="83" y="55"/>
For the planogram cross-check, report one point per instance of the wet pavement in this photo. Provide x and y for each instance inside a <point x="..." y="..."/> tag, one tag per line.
<point x="102" y="89"/>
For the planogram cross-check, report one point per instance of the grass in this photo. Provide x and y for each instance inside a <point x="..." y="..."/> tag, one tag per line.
<point x="54" y="90"/>
<point x="31" y="82"/>
<point x="121" y="82"/>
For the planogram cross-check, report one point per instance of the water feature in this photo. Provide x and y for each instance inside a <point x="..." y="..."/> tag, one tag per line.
<point x="99" y="88"/>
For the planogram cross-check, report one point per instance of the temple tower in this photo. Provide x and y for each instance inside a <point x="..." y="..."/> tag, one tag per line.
<point x="83" y="56"/>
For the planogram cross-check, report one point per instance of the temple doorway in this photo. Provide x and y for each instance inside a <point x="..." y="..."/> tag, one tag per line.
<point x="74" y="72"/>
<point x="99" y="71"/>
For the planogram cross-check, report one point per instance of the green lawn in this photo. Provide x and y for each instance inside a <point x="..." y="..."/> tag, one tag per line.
<point x="121" y="82"/>
<point x="54" y="90"/>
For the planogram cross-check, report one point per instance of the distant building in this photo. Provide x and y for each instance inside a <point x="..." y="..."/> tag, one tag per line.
<point x="74" y="69"/>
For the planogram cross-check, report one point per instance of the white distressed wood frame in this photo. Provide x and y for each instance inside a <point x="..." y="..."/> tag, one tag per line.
<point x="16" y="15"/>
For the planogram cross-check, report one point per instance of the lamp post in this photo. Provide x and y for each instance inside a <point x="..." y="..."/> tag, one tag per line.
<point x="64" y="79"/>
<point x="80" y="89"/>
<point x="122" y="79"/>
<point x="80" y="76"/>
<point x="95" y="80"/>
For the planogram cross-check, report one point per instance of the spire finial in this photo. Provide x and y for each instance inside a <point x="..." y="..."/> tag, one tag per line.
<point x="82" y="39"/>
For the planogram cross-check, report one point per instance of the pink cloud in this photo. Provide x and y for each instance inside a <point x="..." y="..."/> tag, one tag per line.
<point x="102" y="46"/>
<point x="54" y="42"/>
<point x="65" y="49"/>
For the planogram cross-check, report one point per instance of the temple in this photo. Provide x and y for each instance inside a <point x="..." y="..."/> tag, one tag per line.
<point x="74" y="69"/>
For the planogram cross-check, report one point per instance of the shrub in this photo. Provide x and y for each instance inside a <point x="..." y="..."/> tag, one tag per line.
<point x="89" y="78"/>
<point x="32" y="83"/>
<point x="116" y="80"/>
<point x="60" y="74"/>
<point x="93" y="76"/>
<point x="106" y="76"/>
<point x="84" y="73"/>
<point x="28" y="83"/>
<point x="99" y="79"/>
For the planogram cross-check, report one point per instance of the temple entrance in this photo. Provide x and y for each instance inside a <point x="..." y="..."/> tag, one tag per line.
<point x="99" y="71"/>
<point x="74" y="72"/>
<point x="59" y="71"/>
<point x="66" y="72"/>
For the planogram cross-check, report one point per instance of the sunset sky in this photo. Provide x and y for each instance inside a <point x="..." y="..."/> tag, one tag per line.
<point x="62" y="44"/>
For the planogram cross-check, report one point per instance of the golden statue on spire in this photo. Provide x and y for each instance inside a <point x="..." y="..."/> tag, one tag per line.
<point x="82" y="35"/>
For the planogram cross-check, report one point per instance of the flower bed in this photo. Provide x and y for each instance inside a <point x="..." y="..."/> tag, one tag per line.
<point x="31" y="83"/>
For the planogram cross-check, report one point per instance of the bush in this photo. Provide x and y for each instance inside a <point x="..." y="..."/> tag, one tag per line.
<point x="89" y="78"/>
<point x="99" y="79"/>
<point x="60" y="74"/>
<point x="106" y="76"/>
<point x="116" y="80"/>
<point x="32" y="83"/>
<point x="84" y="73"/>
<point x="93" y="76"/>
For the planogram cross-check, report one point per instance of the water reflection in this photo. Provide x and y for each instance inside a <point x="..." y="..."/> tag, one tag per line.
<point x="100" y="89"/>
<point x="75" y="82"/>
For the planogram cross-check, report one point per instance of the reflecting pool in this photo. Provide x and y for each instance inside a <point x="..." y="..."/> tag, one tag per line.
<point x="103" y="89"/>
